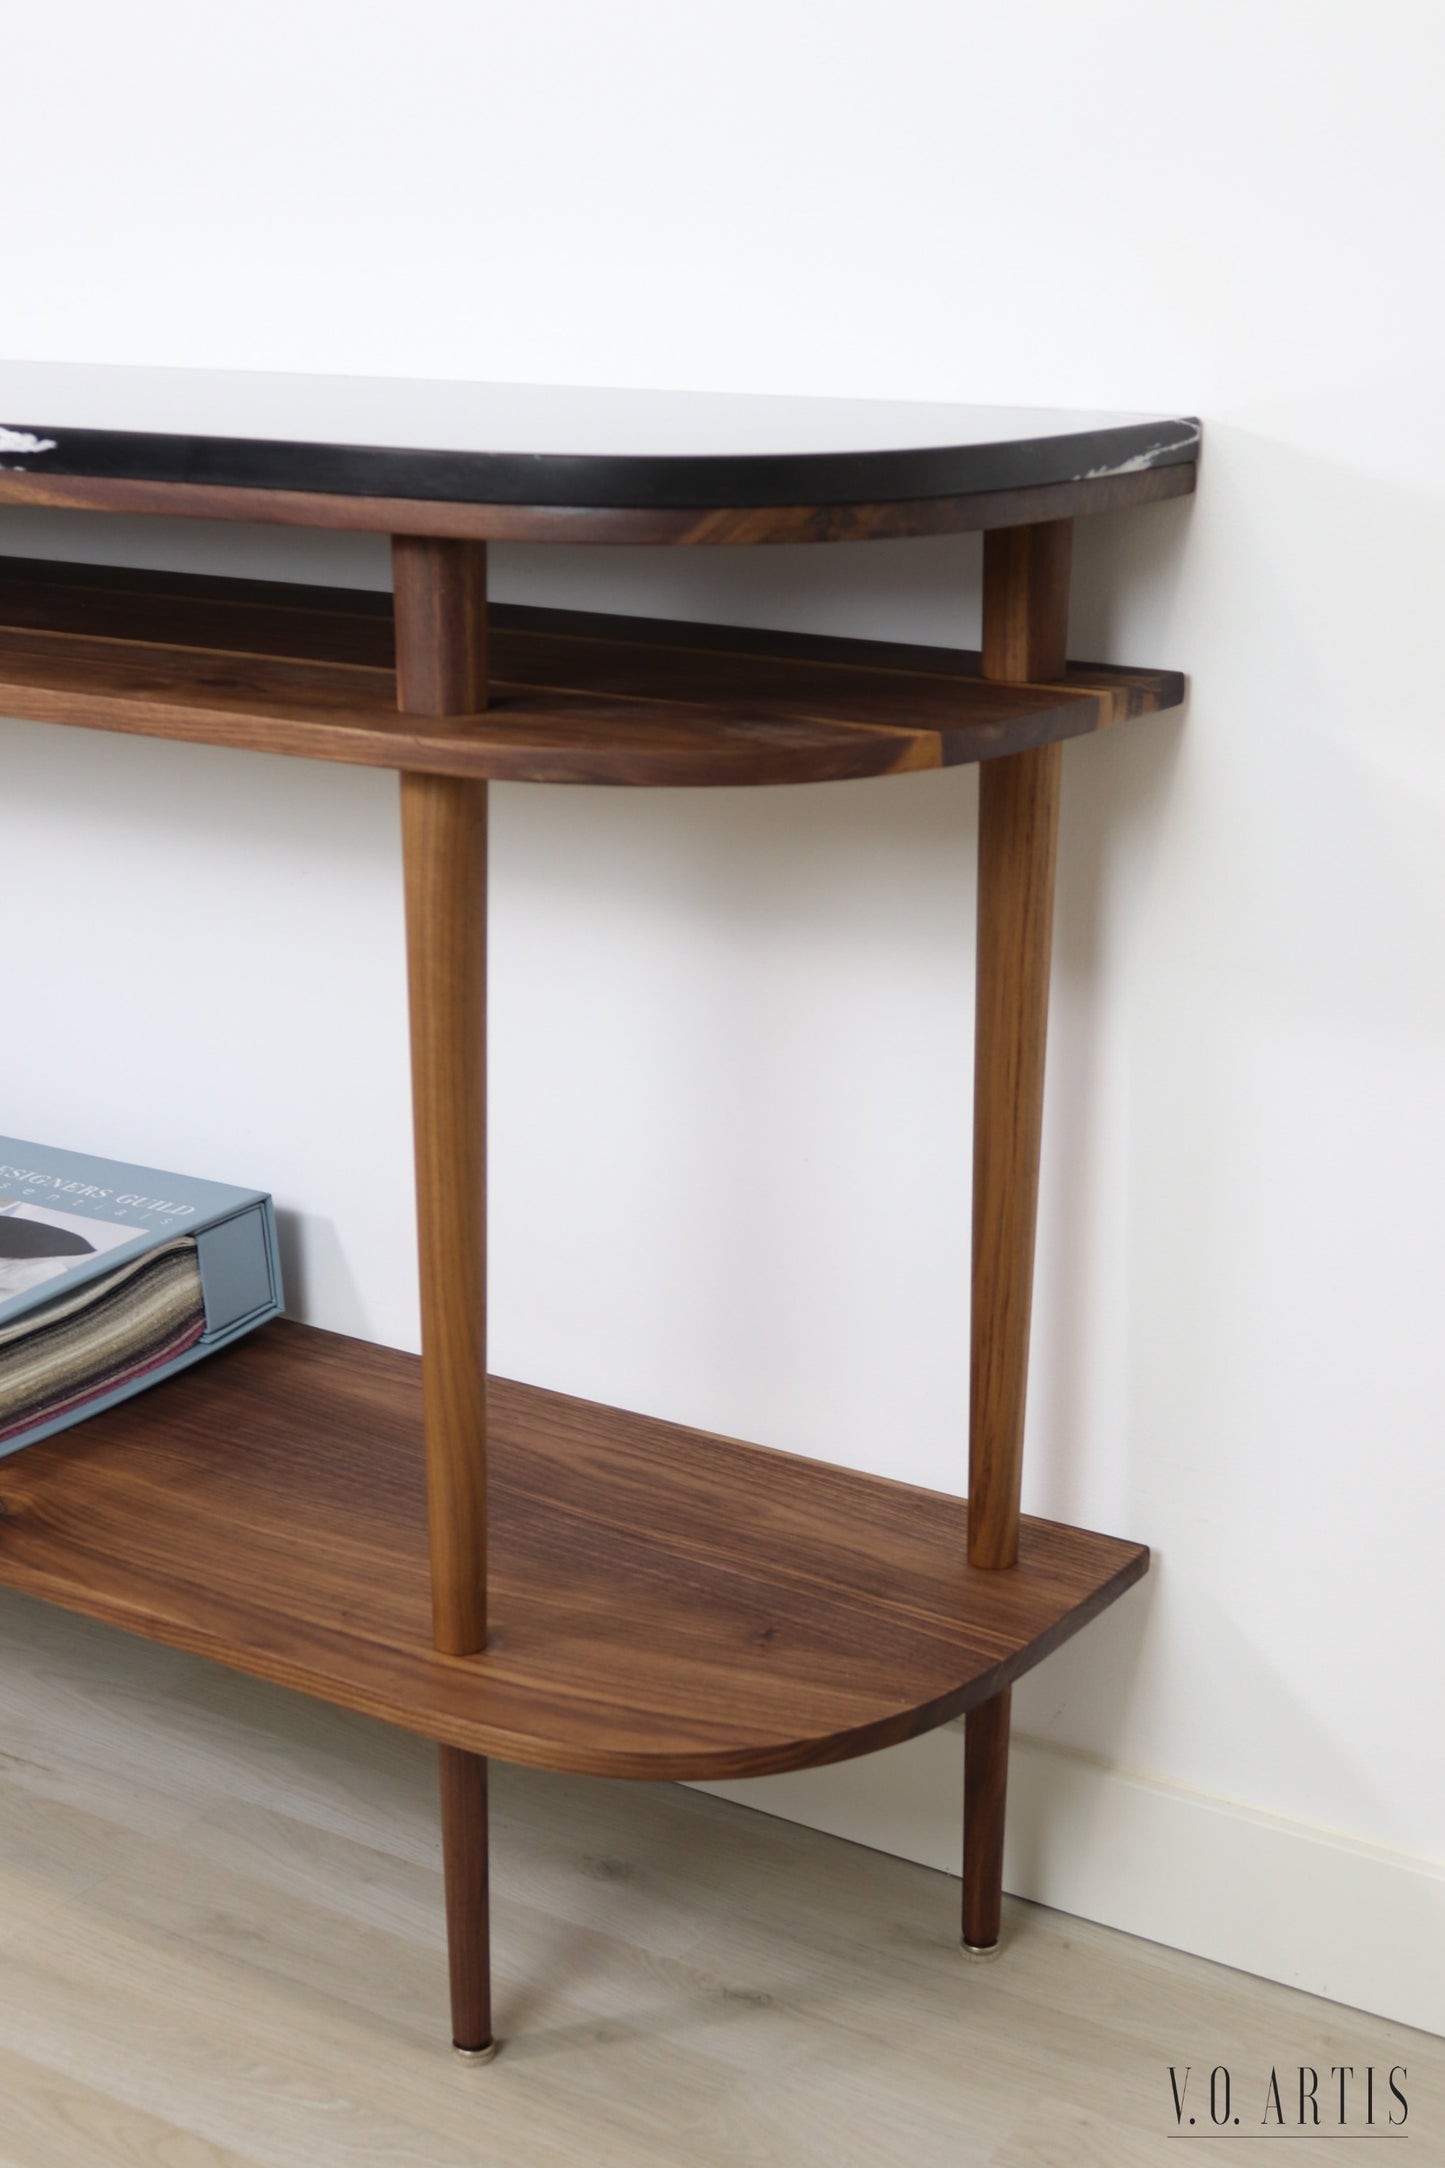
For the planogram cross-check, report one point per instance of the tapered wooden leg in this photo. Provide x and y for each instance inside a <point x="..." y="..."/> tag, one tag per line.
<point x="1026" y="592"/>
<point x="440" y="589"/>
<point x="985" y="1796"/>
<point x="1018" y="827"/>
<point x="441" y="670"/>
<point x="464" y="1854"/>
<point x="444" y="849"/>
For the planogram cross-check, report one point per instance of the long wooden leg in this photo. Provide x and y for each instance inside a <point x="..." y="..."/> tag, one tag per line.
<point x="444" y="845"/>
<point x="1026" y="595"/>
<point x="464" y="1853"/>
<point x="441" y="670"/>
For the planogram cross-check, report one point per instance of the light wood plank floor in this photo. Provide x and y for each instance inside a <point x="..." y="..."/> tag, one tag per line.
<point x="221" y="1943"/>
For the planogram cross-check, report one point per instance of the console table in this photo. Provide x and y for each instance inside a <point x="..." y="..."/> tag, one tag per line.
<point x="505" y="1570"/>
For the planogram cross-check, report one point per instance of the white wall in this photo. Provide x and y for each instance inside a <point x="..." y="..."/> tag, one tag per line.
<point x="732" y="1031"/>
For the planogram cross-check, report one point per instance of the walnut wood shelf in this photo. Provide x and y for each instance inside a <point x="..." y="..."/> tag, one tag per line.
<point x="573" y="697"/>
<point x="664" y="1603"/>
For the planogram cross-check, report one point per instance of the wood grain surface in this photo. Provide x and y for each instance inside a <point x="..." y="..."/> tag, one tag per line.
<point x="220" y="1947"/>
<point x="985" y="1806"/>
<point x="466" y="1867"/>
<point x="664" y="1603"/>
<point x="441" y="624"/>
<point x="439" y="610"/>
<point x="574" y="698"/>
<point x="1026" y="622"/>
<point x="716" y="525"/>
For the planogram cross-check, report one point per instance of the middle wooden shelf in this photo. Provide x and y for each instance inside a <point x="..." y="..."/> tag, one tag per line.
<point x="574" y="698"/>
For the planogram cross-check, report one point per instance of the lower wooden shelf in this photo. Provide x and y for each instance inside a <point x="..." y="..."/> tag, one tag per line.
<point x="665" y="1603"/>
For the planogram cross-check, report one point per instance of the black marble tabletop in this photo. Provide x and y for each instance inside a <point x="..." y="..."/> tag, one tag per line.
<point x="542" y="444"/>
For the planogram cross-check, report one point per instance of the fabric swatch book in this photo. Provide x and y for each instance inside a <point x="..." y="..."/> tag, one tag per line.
<point x="113" y="1276"/>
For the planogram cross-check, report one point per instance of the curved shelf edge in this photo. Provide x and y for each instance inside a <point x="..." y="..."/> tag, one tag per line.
<point x="576" y="698"/>
<point x="665" y="1603"/>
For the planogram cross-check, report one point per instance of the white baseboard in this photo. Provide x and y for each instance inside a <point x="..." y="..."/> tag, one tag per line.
<point x="1327" y="1913"/>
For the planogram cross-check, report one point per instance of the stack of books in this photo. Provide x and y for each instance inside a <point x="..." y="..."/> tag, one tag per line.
<point x="112" y="1277"/>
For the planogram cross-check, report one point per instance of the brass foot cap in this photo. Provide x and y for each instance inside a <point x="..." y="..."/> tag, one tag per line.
<point x="981" y="1953"/>
<point x="488" y="2054"/>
